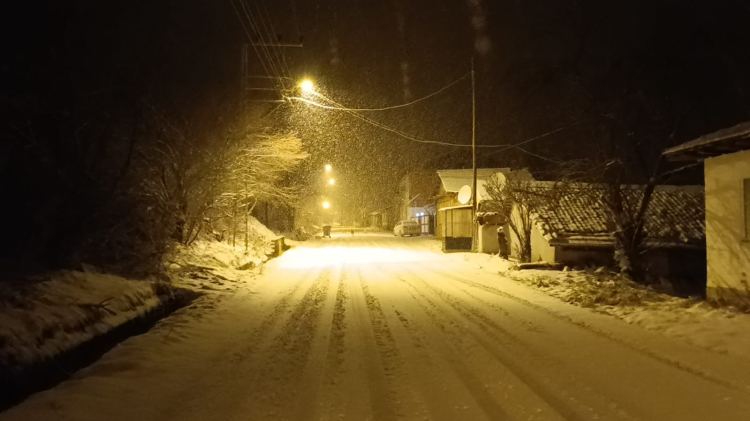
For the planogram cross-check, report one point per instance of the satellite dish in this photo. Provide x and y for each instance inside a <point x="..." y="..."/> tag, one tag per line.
<point x="464" y="195"/>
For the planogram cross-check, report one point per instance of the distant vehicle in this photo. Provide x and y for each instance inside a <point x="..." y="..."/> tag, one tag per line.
<point x="327" y="231"/>
<point x="407" y="227"/>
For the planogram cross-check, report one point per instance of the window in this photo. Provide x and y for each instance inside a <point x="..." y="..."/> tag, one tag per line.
<point x="746" y="206"/>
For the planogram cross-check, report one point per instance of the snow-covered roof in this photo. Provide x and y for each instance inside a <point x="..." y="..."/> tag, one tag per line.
<point x="455" y="207"/>
<point x="453" y="180"/>
<point x="729" y="140"/>
<point x="676" y="216"/>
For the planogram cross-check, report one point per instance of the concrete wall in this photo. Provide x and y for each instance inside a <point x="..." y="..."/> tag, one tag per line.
<point x="728" y="251"/>
<point x="541" y="251"/>
<point x="488" y="238"/>
<point x="583" y="257"/>
<point x="540" y="248"/>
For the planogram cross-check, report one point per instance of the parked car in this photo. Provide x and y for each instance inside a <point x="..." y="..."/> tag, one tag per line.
<point x="407" y="227"/>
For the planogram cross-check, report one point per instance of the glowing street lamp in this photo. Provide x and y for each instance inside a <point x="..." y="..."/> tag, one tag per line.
<point x="331" y="181"/>
<point x="306" y="85"/>
<point x="326" y="205"/>
<point x="328" y="168"/>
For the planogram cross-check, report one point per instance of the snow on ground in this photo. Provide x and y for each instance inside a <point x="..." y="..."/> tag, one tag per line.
<point x="41" y="318"/>
<point x="377" y="327"/>
<point x="208" y="266"/>
<point x="694" y="320"/>
<point x="218" y="266"/>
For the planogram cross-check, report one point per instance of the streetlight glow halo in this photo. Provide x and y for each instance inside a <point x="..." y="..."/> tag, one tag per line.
<point x="306" y="85"/>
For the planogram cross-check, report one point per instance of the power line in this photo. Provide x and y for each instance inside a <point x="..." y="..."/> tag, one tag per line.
<point x="342" y="108"/>
<point x="262" y="44"/>
<point x="242" y="22"/>
<point x="516" y="145"/>
<point x="296" y="23"/>
<point x="273" y="48"/>
<point x="538" y="156"/>
<point x="419" y="140"/>
<point x="270" y="24"/>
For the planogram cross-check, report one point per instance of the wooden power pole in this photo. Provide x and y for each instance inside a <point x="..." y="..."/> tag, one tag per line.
<point x="474" y="198"/>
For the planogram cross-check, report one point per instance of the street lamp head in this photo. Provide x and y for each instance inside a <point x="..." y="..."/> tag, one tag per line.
<point x="331" y="181"/>
<point x="328" y="167"/>
<point x="306" y="85"/>
<point x="326" y="205"/>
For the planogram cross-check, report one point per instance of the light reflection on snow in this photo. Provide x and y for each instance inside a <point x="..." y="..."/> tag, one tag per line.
<point x="334" y="256"/>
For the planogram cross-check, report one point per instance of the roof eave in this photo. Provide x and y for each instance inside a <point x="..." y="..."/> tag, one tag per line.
<point x="725" y="141"/>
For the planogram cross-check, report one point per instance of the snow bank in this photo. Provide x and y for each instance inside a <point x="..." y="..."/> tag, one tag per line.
<point x="261" y="230"/>
<point x="219" y="266"/>
<point x="41" y="319"/>
<point x="693" y="320"/>
<point x="219" y="254"/>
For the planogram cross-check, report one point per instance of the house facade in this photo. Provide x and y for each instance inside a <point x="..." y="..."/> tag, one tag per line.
<point x="726" y="157"/>
<point x="575" y="229"/>
<point x="455" y="221"/>
<point x="418" y="192"/>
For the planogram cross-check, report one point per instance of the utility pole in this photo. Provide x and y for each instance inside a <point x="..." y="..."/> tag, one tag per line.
<point x="246" y="76"/>
<point x="473" y="160"/>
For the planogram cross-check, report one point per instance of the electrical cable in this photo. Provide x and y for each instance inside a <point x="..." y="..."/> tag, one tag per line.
<point x="273" y="74"/>
<point x="250" y="38"/>
<point x="416" y="139"/>
<point x="538" y="156"/>
<point x="343" y="108"/>
<point x="271" y="42"/>
<point x="280" y="50"/>
<point x="263" y="46"/>
<point x="296" y="23"/>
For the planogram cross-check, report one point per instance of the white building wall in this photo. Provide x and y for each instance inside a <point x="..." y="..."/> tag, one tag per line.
<point x="541" y="250"/>
<point x="728" y="251"/>
<point x="540" y="247"/>
<point x="488" y="238"/>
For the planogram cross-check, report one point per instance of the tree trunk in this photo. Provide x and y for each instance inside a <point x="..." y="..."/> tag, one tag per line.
<point x="247" y="225"/>
<point x="234" y="223"/>
<point x="629" y="233"/>
<point x="526" y="255"/>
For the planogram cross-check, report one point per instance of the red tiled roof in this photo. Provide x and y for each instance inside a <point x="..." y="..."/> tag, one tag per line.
<point x="676" y="216"/>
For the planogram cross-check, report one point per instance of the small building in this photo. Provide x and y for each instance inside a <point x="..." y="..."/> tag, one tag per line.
<point x="455" y="222"/>
<point x="575" y="229"/>
<point x="418" y="191"/>
<point x="726" y="157"/>
<point x="380" y="219"/>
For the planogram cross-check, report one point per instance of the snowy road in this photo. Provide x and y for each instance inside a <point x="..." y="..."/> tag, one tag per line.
<point x="374" y="327"/>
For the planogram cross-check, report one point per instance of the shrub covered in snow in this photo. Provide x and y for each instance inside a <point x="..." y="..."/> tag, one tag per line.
<point x="42" y="318"/>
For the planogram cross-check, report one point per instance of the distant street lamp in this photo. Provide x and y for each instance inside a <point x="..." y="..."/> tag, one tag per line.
<point x="328" y="168"/>
<point x="306" y="85"/>
<point x="331" y="181"/>
<point x="326" y="205"/>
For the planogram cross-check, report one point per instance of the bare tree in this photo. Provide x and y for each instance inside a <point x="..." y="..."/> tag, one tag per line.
<point x="520" y="199"/>
<point x="628" y="207"/>
<point x="183" y="166"/>
<point x="257" y="172"/>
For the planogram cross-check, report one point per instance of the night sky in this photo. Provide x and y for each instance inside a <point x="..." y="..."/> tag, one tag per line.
<point x="619" y="78"/>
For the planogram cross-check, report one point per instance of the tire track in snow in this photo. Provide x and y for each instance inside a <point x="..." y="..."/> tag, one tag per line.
<point x="277" y="381"/>
<point x="272" y="319"/>
<point x="582" y="325"/>
<point x="444" y="370"/>
<point x="317" y="399"/>
<point x="542" y="387"/>
<point x="535" y="358"/>
<point x="361" y="386"/>
<point x="379" y="354"/>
